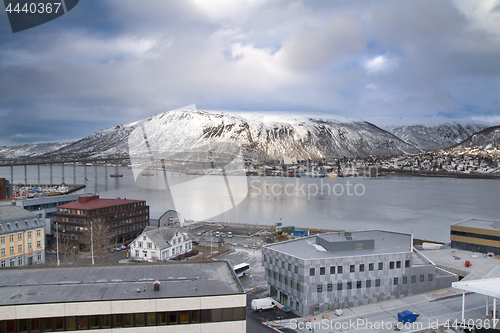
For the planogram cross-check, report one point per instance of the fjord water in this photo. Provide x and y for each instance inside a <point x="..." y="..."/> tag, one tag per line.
<point x="423" y="206"/>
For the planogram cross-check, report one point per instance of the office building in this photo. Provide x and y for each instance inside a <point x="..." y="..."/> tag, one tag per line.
<point x="22" y="238"/>
<point x="124" y="219"/>
<point x="345" y="269"/>
<point x="476" y="235"/>
<point x="204" y="297"/>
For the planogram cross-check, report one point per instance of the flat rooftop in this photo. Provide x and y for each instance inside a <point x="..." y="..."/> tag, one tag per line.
<point x="479" y="224"/>
<point x="383" y="242"/>
<point x="39" y="285"/>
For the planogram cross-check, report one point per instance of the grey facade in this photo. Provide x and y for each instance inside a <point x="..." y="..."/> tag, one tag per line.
<point x="337" y="270"/>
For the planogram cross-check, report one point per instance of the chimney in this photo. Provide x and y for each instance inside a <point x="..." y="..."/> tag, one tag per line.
<point x="156" y="285"/>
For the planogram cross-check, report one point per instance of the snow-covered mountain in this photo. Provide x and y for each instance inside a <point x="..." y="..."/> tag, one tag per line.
<point x="488" y="136"/>
<point x="30" y="149"/>
<point x="431" y="134"/>
<point x="261" y="136"/>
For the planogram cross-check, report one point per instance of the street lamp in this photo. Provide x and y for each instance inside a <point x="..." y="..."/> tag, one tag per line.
<point x="57" y="242"/>
<point x="91" y="242"/>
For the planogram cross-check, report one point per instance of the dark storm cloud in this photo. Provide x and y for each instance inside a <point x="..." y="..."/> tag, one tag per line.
<point x="116" y="61"/>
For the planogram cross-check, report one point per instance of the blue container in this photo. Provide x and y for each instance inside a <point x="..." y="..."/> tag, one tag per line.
<point x="407" y="316"/>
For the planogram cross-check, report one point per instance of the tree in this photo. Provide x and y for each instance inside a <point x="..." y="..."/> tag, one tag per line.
<point x="101" y="240"/>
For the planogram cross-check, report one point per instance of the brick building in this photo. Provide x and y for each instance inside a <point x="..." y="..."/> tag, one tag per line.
<point x="124" y="218"/>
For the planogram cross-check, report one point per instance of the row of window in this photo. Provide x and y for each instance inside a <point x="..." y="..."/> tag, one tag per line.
<point x="101" y="210"/>
<point x="338" y="269"/>
<point x="368" y="283"/>
<point x="74" y="323"/>
<point x="474" y="235"/>
<point x="3" y="252"/>
<point x="12" y="261"/>
<point x="17" y="225"/>
<point x="19" y="236"/>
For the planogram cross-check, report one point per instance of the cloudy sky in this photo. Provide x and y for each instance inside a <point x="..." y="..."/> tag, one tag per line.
<point x="111" y="62"/>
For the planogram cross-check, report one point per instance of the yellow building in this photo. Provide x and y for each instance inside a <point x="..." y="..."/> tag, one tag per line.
<point x="22" y="241"/>
<point x="476" y="235"/>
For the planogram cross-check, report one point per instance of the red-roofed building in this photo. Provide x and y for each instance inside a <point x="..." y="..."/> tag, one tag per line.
<point x="124" y="218"/>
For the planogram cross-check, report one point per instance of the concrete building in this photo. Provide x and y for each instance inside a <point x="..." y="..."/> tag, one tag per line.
<point x="344" y="269"/>
<point x="163" y="297"/>
<point x="124" y="218"/>
<point x="476" y="235"/>
<point x="155" y="244"/>
<point x="22" y="241"/>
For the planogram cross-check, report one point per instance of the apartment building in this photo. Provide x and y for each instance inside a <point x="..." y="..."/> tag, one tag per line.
<point x="344" y="269"/>
<point x="22" y="238"/>
<point x="155" y="244"/>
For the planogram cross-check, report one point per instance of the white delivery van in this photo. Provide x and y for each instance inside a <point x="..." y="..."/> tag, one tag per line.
<point x="217" y="234"/>
<point x="229" y="234"/>
<point x="263" y="304"/>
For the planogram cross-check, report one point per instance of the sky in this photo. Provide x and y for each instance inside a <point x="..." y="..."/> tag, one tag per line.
<point x="111" y="62"/>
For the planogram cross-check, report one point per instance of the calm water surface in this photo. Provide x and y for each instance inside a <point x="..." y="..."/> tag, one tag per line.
<point x="425" y="207"/>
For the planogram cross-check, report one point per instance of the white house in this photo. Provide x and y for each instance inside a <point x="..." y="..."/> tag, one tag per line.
<point x="160" y="243"/>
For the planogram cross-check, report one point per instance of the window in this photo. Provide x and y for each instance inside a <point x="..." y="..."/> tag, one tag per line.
<point x="362" y="267"/>
<point x="276" y="262"/>
<point x="352" y="268"/>
<point x="2" y="263"/>
<point x="368" y="283"/>
<point x="332" y="270"/>
<point x="339" y="269"/>
<point x="29" y="246"/>
<point x="349" y="285"/>
<point x="298" y="286"/>
<point x="391" y="265"/>
<point x="377" y="283"/>
<point x="19" y="236"/>
<point x="3" y="239"/>
<point x="20" y="261"/>
<point x="297" y="306"/>
<point x="286" y="281"/>
<point x="422" y="277"/>
<point x="292" y="284"/>
<point x="11" y="238"/>
<point x="150" y="245"/>
<point x="396" y="281"/>
<point x="265" y="258"/>
<point x="329" y="287"/>
<point x="370" y="266"/>
<point x="297" y="269"/>
<point x="413" y="278"/>
<point x="339" y="286"/>
<point x="380" y="266"/>
<point x="398" y="264"/>
<point x="289" y="267"/>
<point x="322" y="271"/>
<point x="405" y="279"/>
<point x="11" y="249"/>
<point x="407" y="263"/>
<point x="3" y="252"/>
<point x="312" y="272"/>
<point x="429" y="277"/>
<point x="38" y="243"/>
<point x="20" y="248"/>
<point x="274" y="275"/>
<point x="39" y="257"/>
<point x="139" y="244"/>
<point x="358" y="285"/>
<point x="136" y="253"/>
<point x="38" y="233"/>
<point x="29" y="234"/>
<point x="282" y="264"/>
<point x="319" y="288"/>
<point x="279" y="277"/>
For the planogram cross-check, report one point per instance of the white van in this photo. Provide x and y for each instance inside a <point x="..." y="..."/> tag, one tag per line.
<point x="217" y="234"/>
<point x="264" y="304"/>
<point x="229" y="234"/>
